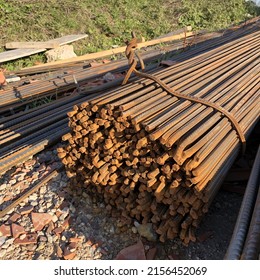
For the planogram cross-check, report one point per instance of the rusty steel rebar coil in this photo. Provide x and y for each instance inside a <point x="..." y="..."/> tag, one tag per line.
<point x="158" y="158"/>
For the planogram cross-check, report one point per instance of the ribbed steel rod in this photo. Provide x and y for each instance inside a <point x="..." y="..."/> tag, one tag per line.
<point x="244" y="217"/>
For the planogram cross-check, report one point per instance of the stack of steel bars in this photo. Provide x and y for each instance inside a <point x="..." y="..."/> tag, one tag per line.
<point x="161" y="159"/>
<point x="26" y="133"/>
<point x="21" y="95"/>
<point x="18" y="94"/>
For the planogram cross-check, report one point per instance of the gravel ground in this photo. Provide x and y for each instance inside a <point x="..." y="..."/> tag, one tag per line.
<point x="63" y="222"/>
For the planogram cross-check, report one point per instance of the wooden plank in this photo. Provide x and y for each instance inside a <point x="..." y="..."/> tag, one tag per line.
<point x="187" y="28"/>
<point x="31" y="45"/>
<point x="118" y="50"/>
<point x="18" y="53"/>
<point x="68" y="39"/>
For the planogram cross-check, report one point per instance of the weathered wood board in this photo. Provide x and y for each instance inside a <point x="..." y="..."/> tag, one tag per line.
<point x="18" y="53"/>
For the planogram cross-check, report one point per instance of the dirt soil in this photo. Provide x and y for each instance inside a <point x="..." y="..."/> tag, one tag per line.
<point x="63" y="222"/>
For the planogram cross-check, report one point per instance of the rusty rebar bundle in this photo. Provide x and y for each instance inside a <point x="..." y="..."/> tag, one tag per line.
<point x="160" y="158"/>
<point x="26" y="133"/>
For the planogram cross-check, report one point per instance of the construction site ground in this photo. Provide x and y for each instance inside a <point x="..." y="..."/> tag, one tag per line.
<point x="60" y="221"/>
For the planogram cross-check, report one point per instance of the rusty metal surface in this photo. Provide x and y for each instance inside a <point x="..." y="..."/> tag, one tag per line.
<point x="245" y="241"/>
<point x="161" y="158"/>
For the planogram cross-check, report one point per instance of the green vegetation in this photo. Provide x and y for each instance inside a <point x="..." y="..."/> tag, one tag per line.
<point x="107" y="22"/>
<point x="215" y="14"/>
<point x="110" y="22"/>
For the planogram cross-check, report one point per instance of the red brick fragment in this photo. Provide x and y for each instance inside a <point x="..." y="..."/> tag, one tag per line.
<point x="134" y="252"/>
<point x="75" y="239"/>
<point x="58" y="230"/>
<point x="5" y="230"/>
<point x="89" y="243"/>
<point x="50" y="227"/>
<point x="59" y="252"/>
<point x="14" y="217"/>
<point x="95" y="246"/>
<point x="68" y="255"/>
<point x="17" y="230"/>
<point x="30" y="238"/>
<point x="40" y="220"/>
<point x="67" y="222"/>
<point x="26" y="210"/>
<point x="72" y="246"/>
<point x="58" y="213"/>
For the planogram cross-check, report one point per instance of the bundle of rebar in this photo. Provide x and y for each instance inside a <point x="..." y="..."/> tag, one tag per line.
<point x="20" y="94"/>
<point x="158" y="158"/>
<point x="24" y="134"/>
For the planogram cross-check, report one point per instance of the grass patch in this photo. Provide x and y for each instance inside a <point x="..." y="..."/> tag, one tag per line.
<point x="109" y="23"/>
<point x="216" y="14"/>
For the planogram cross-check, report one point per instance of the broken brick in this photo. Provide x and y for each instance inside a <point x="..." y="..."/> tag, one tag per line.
<point x="14" y="217"/>
<point x="17" y="230"/>
<point x="89" y="243"/>
<point x="66" y="222"/>
<point x="5" y="230"/>
<point x="50" y="227"/>
<point x="134" y="252"/>
<point x="72" y="246"/>
<point x="68" y="255"/>
<point x="75" y="239"/>
<point x="95" y="246"/>
<point x="58" y="230"/>
<point x="59" y="252"/>
<point x="26" y="210"/>
<point x="58" y="213"/>
<point x="30" y="238"/>
<point x="40" y="220"/>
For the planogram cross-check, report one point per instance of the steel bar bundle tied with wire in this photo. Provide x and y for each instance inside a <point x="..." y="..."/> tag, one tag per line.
<point x="160" y="157"/>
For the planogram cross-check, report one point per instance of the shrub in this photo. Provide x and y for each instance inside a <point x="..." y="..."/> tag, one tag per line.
<point x="213" y="14"/>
